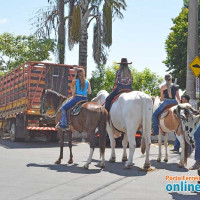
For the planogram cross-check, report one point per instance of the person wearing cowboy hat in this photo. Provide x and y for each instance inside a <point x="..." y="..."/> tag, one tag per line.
<point x="80" y="88"/>
<point x="123" y="80"/>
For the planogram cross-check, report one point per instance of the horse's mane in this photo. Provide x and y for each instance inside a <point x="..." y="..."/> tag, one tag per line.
<point x="156" y="103"/>
<point x="101" y="91"/>
<point x="55" y="93"/>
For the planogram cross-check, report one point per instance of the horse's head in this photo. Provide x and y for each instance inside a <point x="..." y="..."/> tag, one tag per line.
<point x="189" y="124"/>
<point x="101" y="97"/>
<point x="45" y="101"/>
<point x="156" y="102"/>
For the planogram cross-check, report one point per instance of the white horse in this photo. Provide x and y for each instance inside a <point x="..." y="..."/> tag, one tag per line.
<point x="176" y="121"/>
<point x="128" y="113"/>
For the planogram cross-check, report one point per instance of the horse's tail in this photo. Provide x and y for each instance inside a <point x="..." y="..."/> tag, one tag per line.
<point x="102" y="130"/>
<point x="146" y="122"/>
<point x="143" y="145"/>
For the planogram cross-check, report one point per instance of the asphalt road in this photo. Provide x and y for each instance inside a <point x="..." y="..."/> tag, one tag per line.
<point x="28" y="172"/>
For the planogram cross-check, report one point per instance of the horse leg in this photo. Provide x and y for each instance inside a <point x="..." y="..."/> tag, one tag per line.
<point x="166" y="144"/>
<point x="70" y="161"/>
<point x="132" y="145"/>
<point x="147" y="138"/>
<point x="159" y="146"/>
<point x="124" y="144"/>
<point x="112" y="143"/>
<point x="182" y="144"/>
<point x="92" y="147"/>
<point x="102" y="163"/>
<point x="61" y="134"/>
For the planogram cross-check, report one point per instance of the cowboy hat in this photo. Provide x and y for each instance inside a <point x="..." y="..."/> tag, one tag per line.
<point x="124" y="61"/>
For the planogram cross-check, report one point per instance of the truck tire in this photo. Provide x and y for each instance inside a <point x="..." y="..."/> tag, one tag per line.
<point x="13" y="132"/>
<point x="52" y="137"/>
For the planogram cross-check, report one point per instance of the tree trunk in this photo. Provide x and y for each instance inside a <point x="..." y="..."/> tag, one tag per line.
<point x="192" y="48"/>
<point x="84" y="35"/>
<point x="61" y="32"/>
<point x="83" y="49"/>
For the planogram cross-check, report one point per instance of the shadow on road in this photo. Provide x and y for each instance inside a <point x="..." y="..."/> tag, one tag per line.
<point x="178" y="196"/>
<point x="72" y="168"/>
<point x="168" y="166"/>
<point x="118" y="169"/>
<point x="114" y="168"/>
<point x="8" y="144"/>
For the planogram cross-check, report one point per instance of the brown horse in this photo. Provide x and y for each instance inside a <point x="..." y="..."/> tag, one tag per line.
<point x="91" y="116"/>
<point x="174" y="120"/>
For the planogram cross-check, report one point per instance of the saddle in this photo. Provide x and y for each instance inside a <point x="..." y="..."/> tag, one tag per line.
<point x="119" y="93"/>
<point x="77" y="108"/>
<point x="166" y="111"/>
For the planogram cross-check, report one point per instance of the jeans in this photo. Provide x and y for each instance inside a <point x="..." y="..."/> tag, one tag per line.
<point x="114" y="93"/>
<point x="197" y="143"/>
<point x="176" y="144"/>
<point x="67" y="106"/>
<point x="158" y="111"/>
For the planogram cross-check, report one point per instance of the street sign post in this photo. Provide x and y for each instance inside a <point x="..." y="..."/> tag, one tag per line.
<point x="195" y="66"/>
<point x="197" y="88"/>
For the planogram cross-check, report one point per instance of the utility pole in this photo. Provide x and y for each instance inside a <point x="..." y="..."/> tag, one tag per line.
<point x="192" y="50"/>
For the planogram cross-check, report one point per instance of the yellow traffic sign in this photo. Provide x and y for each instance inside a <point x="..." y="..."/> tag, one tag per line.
<point x="195" y="66"/>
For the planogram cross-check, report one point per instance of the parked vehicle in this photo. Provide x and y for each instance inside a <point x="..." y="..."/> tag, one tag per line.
<point x="20" y="99"/>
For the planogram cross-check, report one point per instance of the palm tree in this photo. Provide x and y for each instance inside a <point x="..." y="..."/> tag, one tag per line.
<point x="80" y="15"/>
<point x="192" y="46"/>
<point x="51" y="18"/>
<point x="103" y="11"/>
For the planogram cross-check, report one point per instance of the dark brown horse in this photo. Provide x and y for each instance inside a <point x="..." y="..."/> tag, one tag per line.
<point x="91" y="116"/>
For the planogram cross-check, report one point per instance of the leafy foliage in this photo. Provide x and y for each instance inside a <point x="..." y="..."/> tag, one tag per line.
<point x="15" y="50"/>
<point x="176" y="46"/>
<point x="80" y="14"/>
<point x="103" y="78"/>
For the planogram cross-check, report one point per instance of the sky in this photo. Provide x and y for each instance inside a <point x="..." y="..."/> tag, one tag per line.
<point x="140" y="36"/>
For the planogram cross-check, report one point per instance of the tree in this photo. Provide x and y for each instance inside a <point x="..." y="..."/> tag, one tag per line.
<point x="146" y="81"/>
<point x="52" y="19"/>
<point x="104" y="14"/>
<point x="15" y="50"/>
<point x="176" y="46"/>
<point x="80" y="15"/>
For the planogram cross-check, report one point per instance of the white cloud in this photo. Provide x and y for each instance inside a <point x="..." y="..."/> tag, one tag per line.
<point x="3" y="21"/>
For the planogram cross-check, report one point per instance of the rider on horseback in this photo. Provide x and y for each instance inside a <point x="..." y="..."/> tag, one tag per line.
<point x="168" y="94"/>
<point x="123" y="80"/>
<point x="80" y="88"/>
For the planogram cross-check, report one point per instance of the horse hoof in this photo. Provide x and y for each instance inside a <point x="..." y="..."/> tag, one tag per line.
<point x="124" y="159"/>
<point x="112" y="159"/>
<point x="166" y="160"/>
<point x="180" y="165"/>
<point x="147" y="166"/>
<point x="158" y="160"/>
<point x="127" y="167"/>
<point x="70" y="161"/>
<point x="85" y="167"/>
<point x="102" y="166"/>
<point x="57" y="162"/>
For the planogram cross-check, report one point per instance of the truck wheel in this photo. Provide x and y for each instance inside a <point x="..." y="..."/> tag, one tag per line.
<point x="138" y="142"/>
<point x="13" y="132"/>
<point x="52" y="137"/>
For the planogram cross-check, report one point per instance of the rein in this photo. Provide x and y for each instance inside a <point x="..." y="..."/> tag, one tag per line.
<point x="178" y="126"/>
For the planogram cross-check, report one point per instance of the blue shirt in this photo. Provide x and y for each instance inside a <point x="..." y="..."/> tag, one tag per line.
<point x="79" y="90"/>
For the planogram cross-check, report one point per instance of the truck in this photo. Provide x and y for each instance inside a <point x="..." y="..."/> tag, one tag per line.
<point x="20" y="99"/>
